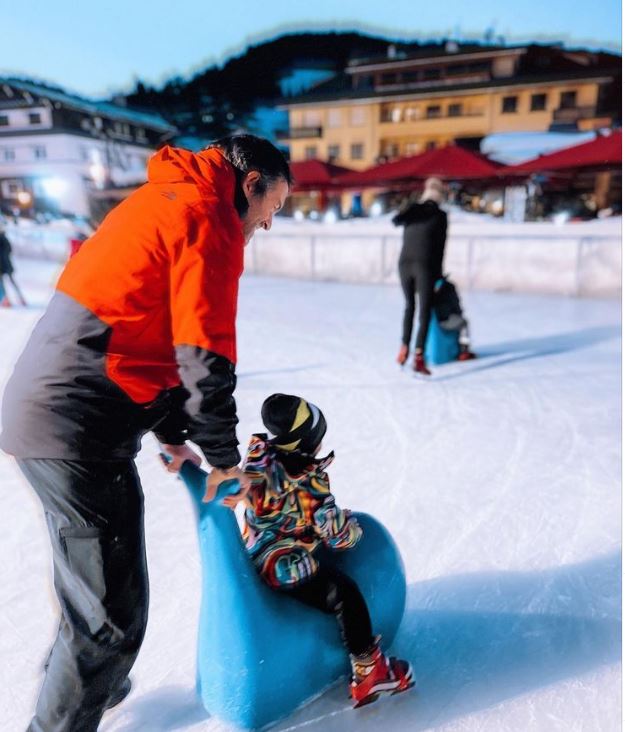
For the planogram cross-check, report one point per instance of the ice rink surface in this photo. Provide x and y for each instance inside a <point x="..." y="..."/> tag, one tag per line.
<point x="499" y="479"/>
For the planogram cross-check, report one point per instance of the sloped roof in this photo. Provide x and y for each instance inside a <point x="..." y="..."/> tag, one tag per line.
<point x="451" y="162"/>
<point x="104" y="108"/>
<point x="315" y="174"/>
<point x="605" y="151"/>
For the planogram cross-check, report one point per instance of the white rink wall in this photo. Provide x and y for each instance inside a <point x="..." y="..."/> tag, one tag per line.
<point x="575" y="259"/>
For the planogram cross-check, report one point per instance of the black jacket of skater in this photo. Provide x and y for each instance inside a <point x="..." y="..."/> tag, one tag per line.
<point x="421" y="263"/>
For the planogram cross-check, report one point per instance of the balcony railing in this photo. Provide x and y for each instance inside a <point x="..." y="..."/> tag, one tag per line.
<point x="387" y="119"/>
<point x="572" y="114"/>
<point x="299" y="133"/>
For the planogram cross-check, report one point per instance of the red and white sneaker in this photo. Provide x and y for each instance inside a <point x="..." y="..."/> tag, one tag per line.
<point x="375" y="674"/>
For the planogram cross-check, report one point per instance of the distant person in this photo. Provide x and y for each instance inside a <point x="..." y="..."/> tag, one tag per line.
<point x="421" y="265"/>
<point x="139" y="336"/>
<point x="7" y="270"/>
<point x="291" y="518"/>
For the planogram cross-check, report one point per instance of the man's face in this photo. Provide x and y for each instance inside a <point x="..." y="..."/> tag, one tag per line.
<point x="261" y="208"/>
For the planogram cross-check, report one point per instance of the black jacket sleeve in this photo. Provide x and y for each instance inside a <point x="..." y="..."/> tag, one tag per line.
<point x="404" y="216"/>
<point x="211" y="410"/>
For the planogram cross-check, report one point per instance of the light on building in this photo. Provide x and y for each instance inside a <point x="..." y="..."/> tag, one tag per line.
<point x="298" y="215"/>
<point x="330" y="217"/>
<point x="24" y="198"/>
<point x="98" y="172"/>
<point x="53" y="187"/>
<point x="376" y="209"/>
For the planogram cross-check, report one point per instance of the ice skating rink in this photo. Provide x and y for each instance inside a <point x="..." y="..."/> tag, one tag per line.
<point x="499" y="478"/>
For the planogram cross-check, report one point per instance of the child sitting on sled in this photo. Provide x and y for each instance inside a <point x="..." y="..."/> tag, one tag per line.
<point x="291" y="520"/>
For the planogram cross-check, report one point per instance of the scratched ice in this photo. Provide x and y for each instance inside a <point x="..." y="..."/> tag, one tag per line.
<point x="500" y="479"/>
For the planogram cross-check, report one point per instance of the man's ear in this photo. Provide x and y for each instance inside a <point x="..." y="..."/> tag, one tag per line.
<point x="250" y="182"/>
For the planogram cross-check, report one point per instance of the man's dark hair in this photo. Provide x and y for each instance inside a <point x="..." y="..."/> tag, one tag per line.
<point x="247" y="153"/>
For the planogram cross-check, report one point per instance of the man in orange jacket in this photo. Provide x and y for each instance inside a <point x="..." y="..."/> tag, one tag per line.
<point x="139" y="336"/>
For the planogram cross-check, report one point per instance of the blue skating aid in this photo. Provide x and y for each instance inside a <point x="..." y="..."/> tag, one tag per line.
<point x="441" y="346"/>
<point x="261" y="654"/>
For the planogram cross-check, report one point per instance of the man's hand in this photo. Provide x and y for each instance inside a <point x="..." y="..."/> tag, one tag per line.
<point x="217" y="476"/>
<point x="178" y="454"/>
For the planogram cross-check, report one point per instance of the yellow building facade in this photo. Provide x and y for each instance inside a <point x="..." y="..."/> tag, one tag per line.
<point x="402" y="112"/>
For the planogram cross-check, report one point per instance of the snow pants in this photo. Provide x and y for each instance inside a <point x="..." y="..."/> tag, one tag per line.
<point x="331" y="591"/>
<point x="417" y="277"/>
<point x="94" y="512"/>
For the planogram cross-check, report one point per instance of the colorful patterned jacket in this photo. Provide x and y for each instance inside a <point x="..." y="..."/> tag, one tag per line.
<point x="288" y="516"/>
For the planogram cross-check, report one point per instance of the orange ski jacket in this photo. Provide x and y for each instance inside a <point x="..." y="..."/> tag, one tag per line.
<point x="140" y="333"/>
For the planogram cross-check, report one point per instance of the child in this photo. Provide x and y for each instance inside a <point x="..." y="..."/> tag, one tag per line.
<point x="291" y="518"/>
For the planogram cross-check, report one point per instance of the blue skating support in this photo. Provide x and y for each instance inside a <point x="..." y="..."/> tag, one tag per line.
<point x="441" y="346"/>
<point x="261" y="654"/>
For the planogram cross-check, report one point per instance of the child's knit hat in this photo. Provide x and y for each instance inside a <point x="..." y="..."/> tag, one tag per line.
<point x="294" y="423"/>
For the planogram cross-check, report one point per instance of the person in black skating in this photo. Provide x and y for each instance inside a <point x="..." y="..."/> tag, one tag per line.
<point x="6" y="268"/>
<point x="421" y="264"/>
<point x="292" y="521"/>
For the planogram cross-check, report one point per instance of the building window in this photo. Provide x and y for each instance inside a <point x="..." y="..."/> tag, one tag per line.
<point x="8" y="154"/>
<point x="411" y="114"/>
<point x="430" y="74"/>
<point x="509" y="105"/>
<point x="357" y="151"/>
<point x="430" y="145"/>
<point x="454" y="110"/>
<point x="388" y="79"/>
<point x="4" y="120"/>
<point x="357" y="116"/>
<point x="432" y="111"/>
<point x="40" y="152"/>
<point x="312" y="118"/>
<point x="310" y="152"/>
<point x="334" y="152"/>
<point x="390" y="150"/>
<point x="568" y="100"/>
<point x="34" y="118"/>
<point x="335" y="118"/>
<point x="411" y="148"/>
<point x="538" y="103"/>
<point x="410" y="77"/>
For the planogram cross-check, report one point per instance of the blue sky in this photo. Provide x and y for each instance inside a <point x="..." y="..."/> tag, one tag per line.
<point x="96" y="48"/>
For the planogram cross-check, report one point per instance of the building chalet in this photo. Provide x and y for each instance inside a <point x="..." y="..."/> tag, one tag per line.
<point x="62" y="153"/>
<point x="384" y="108"/>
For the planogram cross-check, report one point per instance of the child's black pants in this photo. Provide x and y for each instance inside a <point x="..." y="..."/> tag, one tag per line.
<point x="331" y="591"/>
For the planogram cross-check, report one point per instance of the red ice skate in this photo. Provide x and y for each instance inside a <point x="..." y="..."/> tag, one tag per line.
<point x="375" y="674"/>
<point x="419" y="365"/>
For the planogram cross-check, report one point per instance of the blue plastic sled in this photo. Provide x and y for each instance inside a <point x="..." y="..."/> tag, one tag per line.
<point x="441" y="346"/>
<point x="261" y="654"/>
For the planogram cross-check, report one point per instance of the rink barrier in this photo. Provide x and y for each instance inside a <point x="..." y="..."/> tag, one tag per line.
<point x="531" y="258"/>
<point x="560" y="262"/>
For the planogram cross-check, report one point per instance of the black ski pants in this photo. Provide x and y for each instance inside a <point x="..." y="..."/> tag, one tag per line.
<point x="417" y="277"/>
<point x="94" y="512"/>
<point x="332" y="591"/>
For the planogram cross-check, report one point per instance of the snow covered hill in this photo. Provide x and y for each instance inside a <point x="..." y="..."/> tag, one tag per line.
<point x="499" y="478"/>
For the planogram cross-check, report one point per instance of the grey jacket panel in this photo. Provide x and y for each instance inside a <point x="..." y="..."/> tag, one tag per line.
<point x="59" y="403"/>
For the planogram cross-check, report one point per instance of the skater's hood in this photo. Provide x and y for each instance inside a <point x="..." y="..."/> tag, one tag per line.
<point x="417" y="212"/>
<point x="207" y="169"/>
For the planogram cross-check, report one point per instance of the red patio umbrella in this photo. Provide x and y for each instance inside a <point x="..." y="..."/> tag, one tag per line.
<point x="451" y="162"/>
<point x="605" y="151"/>
<point x="315" y="175"/>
